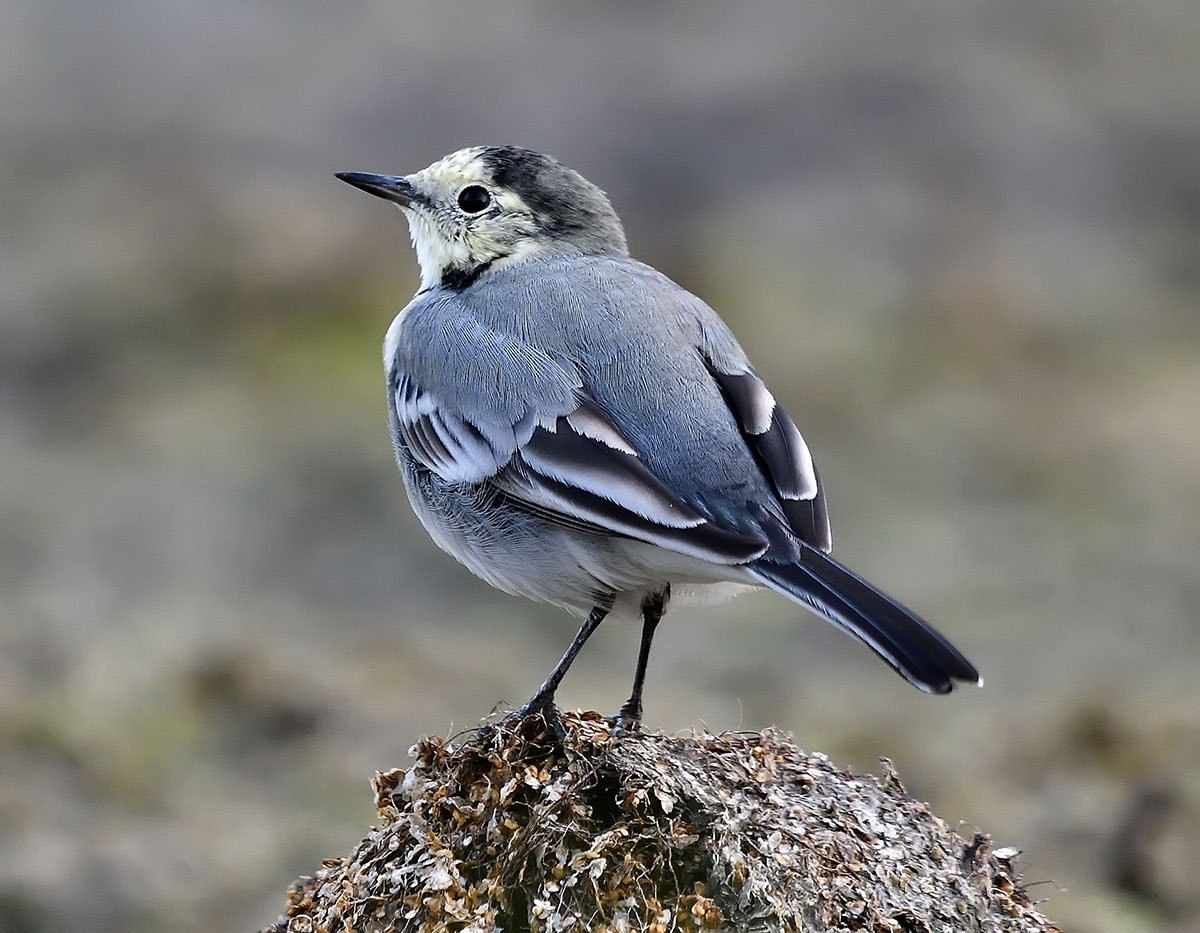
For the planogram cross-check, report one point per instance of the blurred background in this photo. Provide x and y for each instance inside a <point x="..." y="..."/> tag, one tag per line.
<point x="961" y="241"/>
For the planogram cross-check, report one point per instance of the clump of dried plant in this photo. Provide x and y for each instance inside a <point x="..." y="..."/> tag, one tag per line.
<point x="580" y="828"/>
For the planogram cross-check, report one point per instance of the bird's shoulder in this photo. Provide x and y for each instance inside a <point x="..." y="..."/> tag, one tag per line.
<point x="442" y="352"/>
<point x="536" y="330"/>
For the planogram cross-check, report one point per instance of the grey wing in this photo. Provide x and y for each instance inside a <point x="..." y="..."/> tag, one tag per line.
<point x="561" y="458"/>
<point x="772" y="437"/>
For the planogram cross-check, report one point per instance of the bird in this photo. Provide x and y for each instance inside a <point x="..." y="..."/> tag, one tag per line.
<point x="577" y="429"/>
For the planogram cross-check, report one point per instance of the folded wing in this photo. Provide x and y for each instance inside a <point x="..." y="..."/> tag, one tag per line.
<point x="574" y="467"/>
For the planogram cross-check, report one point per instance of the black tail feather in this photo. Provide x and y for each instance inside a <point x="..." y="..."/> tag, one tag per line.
<point x="909" y="644"/>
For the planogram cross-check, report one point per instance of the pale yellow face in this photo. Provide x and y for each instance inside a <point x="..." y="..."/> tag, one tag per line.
<point x="447" y="232"/>
<point x="478" y="210"/>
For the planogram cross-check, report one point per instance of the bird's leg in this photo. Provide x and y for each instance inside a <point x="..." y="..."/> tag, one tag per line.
<point x="653" y="607"/>
<point x="542" y="702"/>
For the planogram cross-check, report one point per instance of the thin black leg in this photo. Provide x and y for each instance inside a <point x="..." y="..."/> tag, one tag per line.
<point x="653" y="607"/>
<point x="543" y="700"/>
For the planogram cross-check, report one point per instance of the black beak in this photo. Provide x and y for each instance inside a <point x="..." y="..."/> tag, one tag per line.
<point x="390" y="187"/>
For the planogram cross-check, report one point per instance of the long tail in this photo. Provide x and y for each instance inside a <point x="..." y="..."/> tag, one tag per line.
<point x="909" y="644"/>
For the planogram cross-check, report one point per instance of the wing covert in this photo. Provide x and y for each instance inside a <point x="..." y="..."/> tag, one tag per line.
<point x="574" y="467"/>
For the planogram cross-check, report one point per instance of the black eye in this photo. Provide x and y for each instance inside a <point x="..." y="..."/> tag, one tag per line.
<point x="474" y="198"/>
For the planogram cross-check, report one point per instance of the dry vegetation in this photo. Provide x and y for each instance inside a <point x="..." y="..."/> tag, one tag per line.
<point x="513" y="830"/>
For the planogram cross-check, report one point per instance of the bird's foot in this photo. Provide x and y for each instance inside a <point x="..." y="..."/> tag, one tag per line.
<point x="540" y="716"/>
<point x="629" y="719"/>
<point x="537" y="719"/>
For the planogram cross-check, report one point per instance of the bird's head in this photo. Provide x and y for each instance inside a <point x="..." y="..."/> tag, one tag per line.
<point x="487" y="206"/>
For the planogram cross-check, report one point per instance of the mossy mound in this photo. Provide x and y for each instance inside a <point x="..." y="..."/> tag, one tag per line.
<point x="514" y="829"/>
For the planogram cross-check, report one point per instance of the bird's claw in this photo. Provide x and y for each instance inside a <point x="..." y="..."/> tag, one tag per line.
<point x="628" y="720"/>
<point x="536" y="719"/>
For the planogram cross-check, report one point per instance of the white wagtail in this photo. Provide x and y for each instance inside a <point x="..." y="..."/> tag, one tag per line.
<point x="576" y="428"/>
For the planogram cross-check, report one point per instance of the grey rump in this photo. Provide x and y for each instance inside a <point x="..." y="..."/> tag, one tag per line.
<point x="576" y="428"/>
